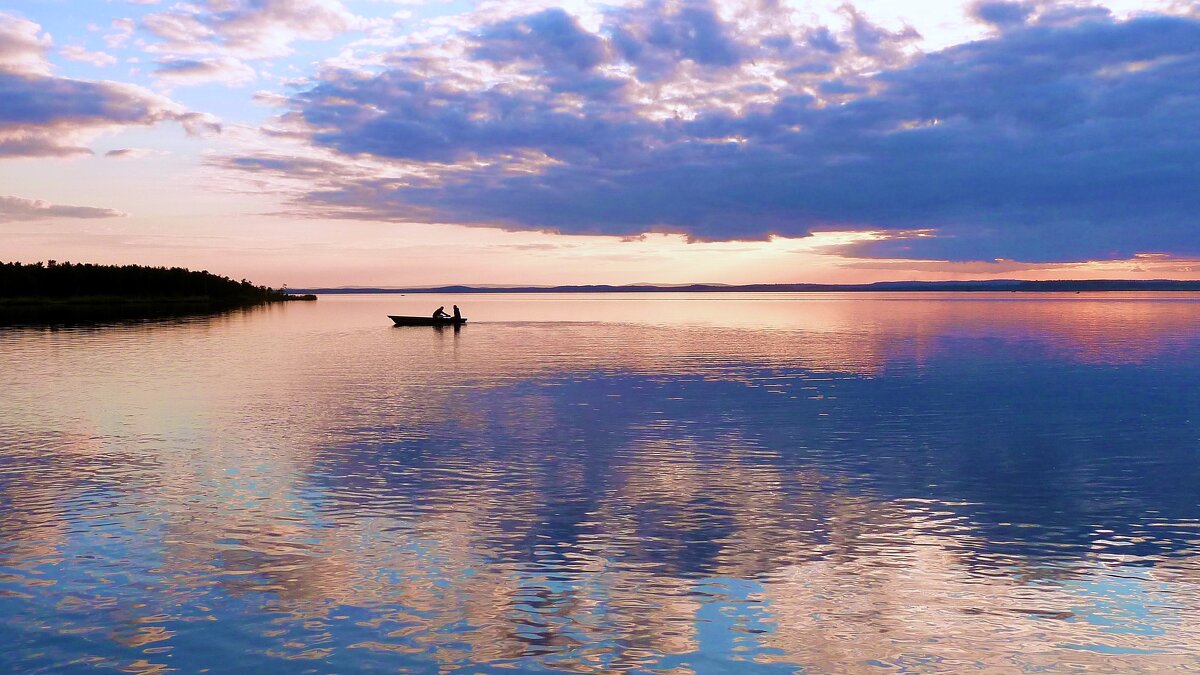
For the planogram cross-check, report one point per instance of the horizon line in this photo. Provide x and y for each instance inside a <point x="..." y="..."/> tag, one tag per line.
<point x="966" y="285"/>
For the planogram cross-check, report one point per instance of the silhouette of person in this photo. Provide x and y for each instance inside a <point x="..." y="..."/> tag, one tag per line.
<point x="441" y="313"/>
<point x="457" y="314"/>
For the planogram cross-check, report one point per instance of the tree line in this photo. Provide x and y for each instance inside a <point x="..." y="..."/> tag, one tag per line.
<point x="68" y="280"/>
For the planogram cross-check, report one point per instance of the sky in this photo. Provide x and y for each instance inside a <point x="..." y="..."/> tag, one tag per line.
<point x="401" y="143"/>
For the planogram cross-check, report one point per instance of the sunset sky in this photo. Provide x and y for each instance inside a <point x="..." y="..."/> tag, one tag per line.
<point x="390" y="142"/>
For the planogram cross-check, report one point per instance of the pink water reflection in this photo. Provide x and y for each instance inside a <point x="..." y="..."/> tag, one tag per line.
<point x="319" y="484"/>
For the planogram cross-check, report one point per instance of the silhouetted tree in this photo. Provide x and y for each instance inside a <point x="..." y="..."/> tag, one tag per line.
<point x="67" y="280"/>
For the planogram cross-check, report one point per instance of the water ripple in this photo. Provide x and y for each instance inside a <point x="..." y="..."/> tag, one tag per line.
<point x="759" y="483"/>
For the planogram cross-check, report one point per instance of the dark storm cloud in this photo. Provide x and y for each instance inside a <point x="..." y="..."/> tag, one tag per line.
<point x="1070" y="137"/>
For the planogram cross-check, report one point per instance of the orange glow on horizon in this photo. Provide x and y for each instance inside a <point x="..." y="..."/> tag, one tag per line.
<point x="313" y="253"/>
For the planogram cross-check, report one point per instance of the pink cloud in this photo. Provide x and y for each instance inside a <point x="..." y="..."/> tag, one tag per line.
<point x="43" y="115"/>
<point x="122" y="29"/>
<point x="199" y="71"/>
<point x="19" y="209"/>
<point x="23" y="46"/>
<point x="244" y="29"/>
<point x="78" y="53"/>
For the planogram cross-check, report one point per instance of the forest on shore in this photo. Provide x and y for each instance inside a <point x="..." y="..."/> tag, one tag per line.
<point x="55" y="292"/>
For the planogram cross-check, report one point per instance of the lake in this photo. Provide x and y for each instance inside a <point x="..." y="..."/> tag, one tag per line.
<point x="652" y="482"/>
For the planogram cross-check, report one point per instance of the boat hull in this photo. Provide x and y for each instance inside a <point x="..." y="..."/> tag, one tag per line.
<point x="425" y="321"/>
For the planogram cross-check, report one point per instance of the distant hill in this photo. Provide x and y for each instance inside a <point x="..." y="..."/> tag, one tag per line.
<point x="54" y="292"/>
<point x="1065" y="285"/>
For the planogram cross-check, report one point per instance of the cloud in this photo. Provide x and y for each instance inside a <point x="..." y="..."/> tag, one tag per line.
<point x="871" y="39"/>
<point x="78" y="53"/>
<point x="1060" y="138"/>
<point x="248" y="29"/>
<point x="122" y="29"/>
<point x="822" y="38"/>
<point x="657" y="40"/>
<point x="23" y="46"/>
<point x="47" y="116"/>
<point x="269" y="99"/>
<point x="1001" y="13"/>
<point x="18" y="209"/>
<point x="199" y="71"/>
<point x="548" y="38"/>
<point x="50" y="116"/>
<point x="132" y="153"/>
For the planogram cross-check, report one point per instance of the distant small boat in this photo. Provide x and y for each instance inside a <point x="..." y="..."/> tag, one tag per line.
<point x="425" y="321"/>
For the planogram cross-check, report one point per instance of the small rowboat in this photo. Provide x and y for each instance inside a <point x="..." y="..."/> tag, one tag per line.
<point x="425" y="321"/>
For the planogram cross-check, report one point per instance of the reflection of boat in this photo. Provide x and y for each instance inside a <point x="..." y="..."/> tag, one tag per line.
<point x="425" y="321"/>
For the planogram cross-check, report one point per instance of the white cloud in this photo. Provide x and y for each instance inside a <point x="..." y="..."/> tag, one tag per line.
<point x="250" y="29"/>
<point x="42" y="115"/>
<point x="23" y="46"/>
<point x="78" y="53"/>
<point x="133" y="153"/>
<point x="122" y="29"/>
<point x="1056" y="138"/>
<point x="201" y="71"/>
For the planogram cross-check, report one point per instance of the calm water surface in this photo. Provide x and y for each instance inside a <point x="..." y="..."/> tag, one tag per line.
<point x="666" y="483"/>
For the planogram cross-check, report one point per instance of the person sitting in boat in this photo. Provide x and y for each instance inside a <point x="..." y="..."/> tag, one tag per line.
<point x="457" y="314"/>
<point x="441" y="313"/>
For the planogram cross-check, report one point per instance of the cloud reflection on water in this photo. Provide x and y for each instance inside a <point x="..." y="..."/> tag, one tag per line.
<point x="925" y="483"/>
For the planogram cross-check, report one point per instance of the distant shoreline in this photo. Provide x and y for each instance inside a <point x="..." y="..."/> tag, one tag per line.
<point x="1089" y="285"/>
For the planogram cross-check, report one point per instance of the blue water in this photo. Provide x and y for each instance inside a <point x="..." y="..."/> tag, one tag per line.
<point x="682" y="483"/>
